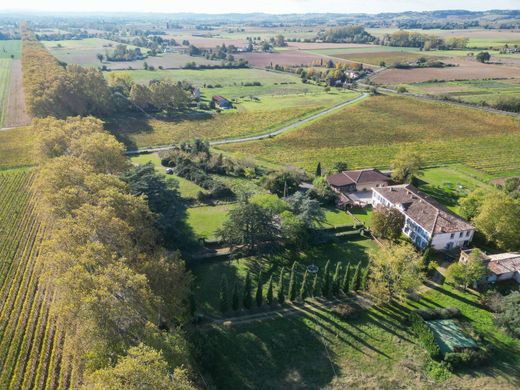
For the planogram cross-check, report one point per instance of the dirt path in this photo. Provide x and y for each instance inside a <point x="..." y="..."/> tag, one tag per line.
<point x="15" y="112"/>
<point x="291" y="309"/>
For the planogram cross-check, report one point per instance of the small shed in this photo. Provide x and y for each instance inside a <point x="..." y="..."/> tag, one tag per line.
<point x="222" y="103"/>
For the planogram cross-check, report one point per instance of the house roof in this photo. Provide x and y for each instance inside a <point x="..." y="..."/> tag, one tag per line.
<point x="504" y="263"/>
<point x="356" y="177"/>
<point x="424" y="210"/>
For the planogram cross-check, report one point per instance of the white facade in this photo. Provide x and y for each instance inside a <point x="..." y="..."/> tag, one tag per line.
<point x="421" y="236"/>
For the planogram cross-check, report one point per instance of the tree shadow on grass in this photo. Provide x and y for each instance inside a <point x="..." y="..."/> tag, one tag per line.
<point x="337" y="327"/>
<point x="276" y="354"/>
<point x="455" y="296"/>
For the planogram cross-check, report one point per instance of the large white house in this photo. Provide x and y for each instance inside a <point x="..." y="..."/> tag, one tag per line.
<point x="425" y="219"/>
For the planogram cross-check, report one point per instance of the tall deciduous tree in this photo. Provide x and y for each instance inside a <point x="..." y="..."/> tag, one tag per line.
<point x="406" y="165"/>
<point x="499" y="220"/>
<point x="466" y="273"/>
<point x="394" y="272"/>
<point x="387" y="223"/>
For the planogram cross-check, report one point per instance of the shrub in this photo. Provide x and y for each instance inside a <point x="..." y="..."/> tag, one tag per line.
<point x="438" y="313"/>
<point x="438" y="371"/>
<point x="425" y="335"/>
<point x="469" y="358"/>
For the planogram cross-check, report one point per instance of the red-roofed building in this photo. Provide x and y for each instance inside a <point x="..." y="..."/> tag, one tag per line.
<point x="504" y="266"/>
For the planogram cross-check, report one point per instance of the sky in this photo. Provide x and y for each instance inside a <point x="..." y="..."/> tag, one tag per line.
<point x="245" y="6"/>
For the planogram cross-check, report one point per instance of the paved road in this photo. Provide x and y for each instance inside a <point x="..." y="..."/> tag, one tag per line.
<point x="267" y="135"/>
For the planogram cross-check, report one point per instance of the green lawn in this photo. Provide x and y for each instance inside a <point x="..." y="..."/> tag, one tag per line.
<point x="374" y="349"/>
<point x="206" y="220"/>
<point x="449" y="183"/>
<point x="10" y="48"/>
<point x="5" y="81"/>
<point x="208" y="275"/>
<point x="337" y="217"/>
<point x="187" y="188"/>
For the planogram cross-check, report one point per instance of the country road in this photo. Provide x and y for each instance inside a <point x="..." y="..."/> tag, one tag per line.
<point x="266" y="135"/>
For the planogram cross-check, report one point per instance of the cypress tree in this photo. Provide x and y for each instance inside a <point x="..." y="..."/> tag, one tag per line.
<point x="281" y="290"/>
<point x="292" y="283"/>
<point x="303" y="287"/>
<point x="354" y="282"/>
<point x="269" y="297"/>
<point x="316" y="291"/>
<point x="259" y="291"/>
<point x="224" y="296"/>
<point x="325" y="283"/>
<point x="336" y="279"/>
<point x="247" y="292"/>
<point x="364" y="278"/>
<point x="345" y="282"/>
<point x="318" y="169"/>
<point x="235" y="300"/>
<point x="192" y="305"/>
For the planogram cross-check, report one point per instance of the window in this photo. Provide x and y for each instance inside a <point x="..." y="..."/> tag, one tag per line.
<point x="460" y="234"/>
<point x="452" y="235"/>
<point x="467" y="233"/>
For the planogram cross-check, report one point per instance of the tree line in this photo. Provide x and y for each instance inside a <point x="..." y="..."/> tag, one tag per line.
<point x="338" y="282"/>
<point x="55" y="89"/>
<point x="123" y="297"/>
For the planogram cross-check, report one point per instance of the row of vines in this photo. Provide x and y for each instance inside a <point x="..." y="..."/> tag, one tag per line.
<point x="31" y="337"/>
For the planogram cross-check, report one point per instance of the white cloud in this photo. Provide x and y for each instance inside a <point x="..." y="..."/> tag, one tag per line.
<point x="270" y="6"/>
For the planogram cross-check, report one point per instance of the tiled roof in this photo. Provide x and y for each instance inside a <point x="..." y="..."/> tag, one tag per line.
<point x="424" y="210"/>
<point x="504" y="263"/>
<point x="356" y="177"/>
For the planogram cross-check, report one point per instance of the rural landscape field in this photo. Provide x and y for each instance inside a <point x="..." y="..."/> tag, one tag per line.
<point x="289" y="195"/>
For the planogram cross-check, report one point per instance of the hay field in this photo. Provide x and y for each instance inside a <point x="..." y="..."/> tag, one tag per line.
<point x="371" y="132"/>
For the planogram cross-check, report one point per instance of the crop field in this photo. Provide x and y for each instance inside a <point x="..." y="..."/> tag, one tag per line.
<point x="478" y="38"/>
<point x="370" y="134"/>
<point x="388" y="57"/>
<point x="466" y="69"/>
<point x="5" y="81"/>
<point x="230" y="82"/>
<point x="31" y="338"/>
<point x="361" y="49"/>
<point x="250" y="118"/>
<point x="284" y="57"/>
<point x="16" y="148"/>
<point x="83" y="52"/>
<point x="10" y="49"/>
<point x="473" y="91"/>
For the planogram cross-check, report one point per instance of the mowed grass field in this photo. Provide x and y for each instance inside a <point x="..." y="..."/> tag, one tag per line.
<point x="472" y="91"/>
<point x="371" y="133"/>
<point x="5" y="81"/>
